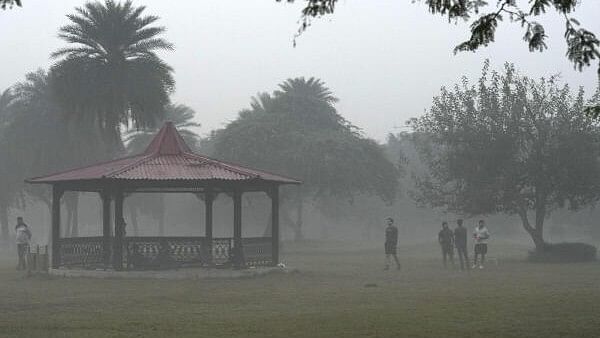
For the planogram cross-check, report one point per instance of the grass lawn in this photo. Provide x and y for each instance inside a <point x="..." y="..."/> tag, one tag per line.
<point x="339" y="291"/>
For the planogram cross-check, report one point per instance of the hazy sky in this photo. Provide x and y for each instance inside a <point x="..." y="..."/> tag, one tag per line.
<point x="384" y="59"/>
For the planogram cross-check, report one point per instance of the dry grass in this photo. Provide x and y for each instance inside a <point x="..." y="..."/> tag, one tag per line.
<point x="327" y="298"/>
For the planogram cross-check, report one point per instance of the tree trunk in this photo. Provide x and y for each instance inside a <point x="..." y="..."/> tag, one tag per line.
<point x="67" y="229"/>
<point x="298" y="236"/>
<point x="134" y="222"/>
<point x="269" y="228"/>
<point x="49" y="235"/>
<point x="161" y="216"/>
<point x="537" y="232"/>
<point x="72" y="204"/>
<point x="75" y="216"/>
<point x="4" y="224"/>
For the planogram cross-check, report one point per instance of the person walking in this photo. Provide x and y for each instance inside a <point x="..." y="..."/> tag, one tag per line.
<point x="481" y="236"/>
<point x="391" y="244"/>
<point x="460" y="243"/>
<point x="446" y="240"/>
<point x="23" y="237"/>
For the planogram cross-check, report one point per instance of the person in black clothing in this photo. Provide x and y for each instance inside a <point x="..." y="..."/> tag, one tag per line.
<point x="391" y="242"/>
<point x="460" y="243"/>
<point x="446" y="240"/>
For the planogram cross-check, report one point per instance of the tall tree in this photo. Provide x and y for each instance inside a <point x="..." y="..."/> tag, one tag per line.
<point x="182" y="116"/>
<point x="297" y="131"/>
<point x="42" y="139"/>
<point x="9" y="3"/>
<point x="509" y="144"/>
<point x="111" y="70"/>
<point x="9" y="185"/>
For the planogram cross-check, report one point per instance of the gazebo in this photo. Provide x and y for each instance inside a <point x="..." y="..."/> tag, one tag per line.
<point x="168" y="165"/>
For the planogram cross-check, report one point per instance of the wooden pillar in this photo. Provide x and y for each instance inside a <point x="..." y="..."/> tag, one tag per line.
<point x="106" y="233"/>
<point x="57" y="193"/>
<point x="119" y="232"/>
<point x="238" y="259"/>
<point x="209" y="198"/>
<point x="274" y="193"/>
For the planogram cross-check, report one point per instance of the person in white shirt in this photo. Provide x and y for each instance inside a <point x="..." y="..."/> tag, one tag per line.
<point x="481" y="236"/>
<point x="23" y="237"/>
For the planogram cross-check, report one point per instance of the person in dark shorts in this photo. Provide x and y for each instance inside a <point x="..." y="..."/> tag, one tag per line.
<point x="446" y="240"/>
<point x="481" y="236"/>
<point x="23" y="236"/>
<point x="460" y="243"/>
<point x="391" y="243"/>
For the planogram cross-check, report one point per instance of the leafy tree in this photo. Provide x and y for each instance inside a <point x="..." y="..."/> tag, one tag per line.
<point x="182" y="117"/>
<point x="9" y="3"/>
<point x="298" y="132"/>
<point x="583" y="47"/>
<point x="9" y="185"/>
<point x="111" y="70"/>
<point x="136" y="141"/>
<point x="41" y="139"/>
<point x="508" y="145"/>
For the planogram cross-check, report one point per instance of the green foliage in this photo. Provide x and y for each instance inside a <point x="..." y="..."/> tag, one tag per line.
<point x="41" y="140"/>
<point x="564" y="253"/>
<point x="592" y="109"/>
<point x="583" y="47"/>
<point x="182" y="117"/>
<point x="111" y="70"/>
<point x="10" y="3"/>
<point x="9" y="183"/>
<point x="509" y="144"/>
<point x="297" y="131"/>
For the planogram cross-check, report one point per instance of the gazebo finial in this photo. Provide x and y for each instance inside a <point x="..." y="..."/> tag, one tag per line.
<point x="168" y="141"/>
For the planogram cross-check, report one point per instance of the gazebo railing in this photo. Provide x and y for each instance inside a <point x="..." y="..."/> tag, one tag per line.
<point x="81" y="252"/>
<point x="222" y="251"/>
<point x="143" y="253"/>
<point x="165" y="252"/>
<point x="257" y="251"/>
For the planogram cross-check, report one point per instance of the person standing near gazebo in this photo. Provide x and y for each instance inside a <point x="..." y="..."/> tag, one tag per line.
<point x="23" y="237"/>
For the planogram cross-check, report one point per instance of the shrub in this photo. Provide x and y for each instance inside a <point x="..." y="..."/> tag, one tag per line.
<point x="564" y="253"/>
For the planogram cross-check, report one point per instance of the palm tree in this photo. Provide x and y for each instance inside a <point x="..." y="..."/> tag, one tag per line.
<point x="40" y="139"/>
<point x="8" y="186"/>
<point x="298" y="131"/>
<point x="182" y="117"/>
<point x="136" y="141"/>
<point x="111" y="69"/>
<point x="310" y="102"/>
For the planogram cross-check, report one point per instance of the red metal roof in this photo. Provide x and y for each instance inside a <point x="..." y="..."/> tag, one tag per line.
<point x="167" y="157"/>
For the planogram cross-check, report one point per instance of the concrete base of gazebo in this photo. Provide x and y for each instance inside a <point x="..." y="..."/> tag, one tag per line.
<point x="183" y="273"/>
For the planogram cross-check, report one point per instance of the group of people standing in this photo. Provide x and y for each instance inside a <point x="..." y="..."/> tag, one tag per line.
<point x="457" y="238"/>
<point x="449" y="240"/>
